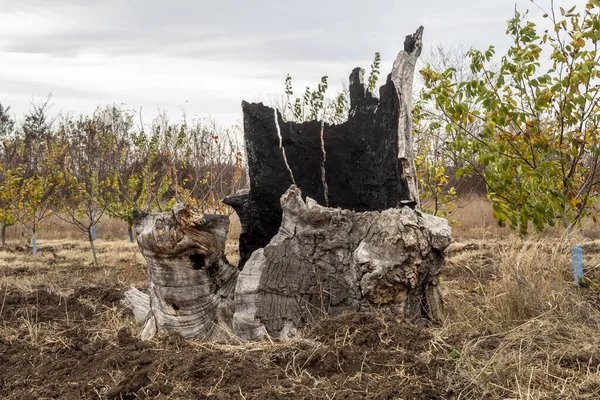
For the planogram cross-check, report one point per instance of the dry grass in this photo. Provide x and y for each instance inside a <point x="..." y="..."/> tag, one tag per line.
<point x="56" y="229"/>
<point x="473" y="214"/>
<point x="107" y="229"/>
<point x="518" y="328"/>
<point x="62" y="266"/>
<point x="475" y="218"/>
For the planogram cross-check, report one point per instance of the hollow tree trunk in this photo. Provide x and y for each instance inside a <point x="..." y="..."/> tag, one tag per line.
<point x="325" y="261"/>
<point x="363" y="164"/>
<point x="305" y="258"/>
<point x="191" y="283"/>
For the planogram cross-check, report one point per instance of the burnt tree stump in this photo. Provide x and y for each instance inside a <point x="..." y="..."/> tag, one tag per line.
<point x="331" y="223"/>
<point x="364" y="164"/>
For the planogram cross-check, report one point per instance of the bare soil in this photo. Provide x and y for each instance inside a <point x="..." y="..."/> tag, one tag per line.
<point x="65" y="335"/>
<point x="350" y="356"/>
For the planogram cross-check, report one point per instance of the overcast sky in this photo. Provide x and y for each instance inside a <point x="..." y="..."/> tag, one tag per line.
<point x="208" y="56"/>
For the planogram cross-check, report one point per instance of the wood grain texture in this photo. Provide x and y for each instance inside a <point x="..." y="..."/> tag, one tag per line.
<point x="325" y="261"/>
<point x="191" y="283"/>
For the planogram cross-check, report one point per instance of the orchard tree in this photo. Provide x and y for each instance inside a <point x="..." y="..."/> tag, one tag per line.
<point x="91" y="156"/>
<point x="141" y="180"/>
<point x="36" y="135"/>
<point x="34" y="196"/>
<point x="196" y="163"/>
<point x="36" y="175"/>
<point x="8" y="187"/>
<point x="432" y="159"/>
<point x="8" y="162"/>
<point x="435" y="157"/>
<point x="210" y="164"/>
<point x="538" y="149"/>
<point x="129" y="157"/>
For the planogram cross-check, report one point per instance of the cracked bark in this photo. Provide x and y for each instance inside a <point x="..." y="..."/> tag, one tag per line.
<point x="325" y="261"/>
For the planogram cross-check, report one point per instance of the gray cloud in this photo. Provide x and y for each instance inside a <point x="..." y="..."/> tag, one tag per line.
<point x="227" y="50"/>
<point x="229" y="29"/>
<point x="19" y="86"/>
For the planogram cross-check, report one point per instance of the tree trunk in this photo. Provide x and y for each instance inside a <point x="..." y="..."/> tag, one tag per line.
<point x="323" y="261"/>
<point x="305" y="258"/>
<point x="130" y="232"/>
<point x="3" y="235"/>
<point x="33" y="241"/>
<point x="191" y="283"/>
<point x="91" y="239"/>
<point x="326" y="261"/>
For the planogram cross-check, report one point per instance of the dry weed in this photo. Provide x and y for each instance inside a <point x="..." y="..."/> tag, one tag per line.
<point x="518" y="327"/>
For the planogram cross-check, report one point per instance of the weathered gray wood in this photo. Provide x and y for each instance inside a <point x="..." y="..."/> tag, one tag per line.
<point x="403" y="72"/>
<point x="191" y="283"/>
<point x="325" y="261"/>
<point x="139" y="302"/>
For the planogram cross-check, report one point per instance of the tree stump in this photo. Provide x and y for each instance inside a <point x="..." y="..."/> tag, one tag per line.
<point x="191" y="284"/>
<point x="325" y="261"/>
<point x="331" y="223"/>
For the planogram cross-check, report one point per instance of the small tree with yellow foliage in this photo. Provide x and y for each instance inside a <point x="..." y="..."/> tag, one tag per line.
<point x="90" y="158"/>
<point x="539" y="147"/>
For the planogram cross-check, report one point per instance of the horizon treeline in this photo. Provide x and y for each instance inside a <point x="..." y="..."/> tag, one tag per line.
<point x="81" y="168"/>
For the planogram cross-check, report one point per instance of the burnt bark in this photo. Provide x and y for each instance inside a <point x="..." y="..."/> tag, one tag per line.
<point x="364" y="164"/>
